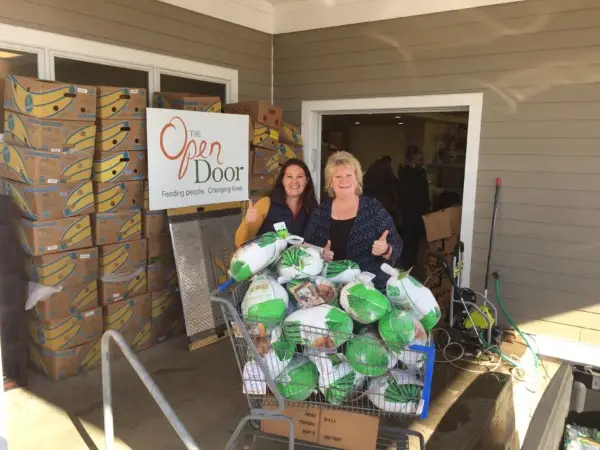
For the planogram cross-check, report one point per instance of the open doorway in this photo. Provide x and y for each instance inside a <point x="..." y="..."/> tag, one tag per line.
<point x="445" y="128"/>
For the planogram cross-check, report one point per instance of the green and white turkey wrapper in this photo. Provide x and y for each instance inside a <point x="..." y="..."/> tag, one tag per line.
<point x="368" y="355"/>
<point x="266" y="302"/>
<point x="299" y="380"/>
<point x="400" y="328"/>
<point x="343" y="271"/>
<point x="338" y="381"/>
<point x="256" y="255"/>
<point x="362" y="301"/>
<point x="299" y="262"/>
<point x="322" y="327"/>
<point x="398" y="392"/>
<point x="406" y="292"/>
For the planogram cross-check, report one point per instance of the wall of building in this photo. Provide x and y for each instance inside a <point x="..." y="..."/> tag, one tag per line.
<point x="537" y="62"/>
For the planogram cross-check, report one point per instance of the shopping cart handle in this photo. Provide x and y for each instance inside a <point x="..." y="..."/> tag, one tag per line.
<point x="226" y="285"/>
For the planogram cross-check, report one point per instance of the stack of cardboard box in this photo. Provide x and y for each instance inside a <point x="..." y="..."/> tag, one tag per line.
<point x="291" y="142"/>
<point x="47" y="167"/>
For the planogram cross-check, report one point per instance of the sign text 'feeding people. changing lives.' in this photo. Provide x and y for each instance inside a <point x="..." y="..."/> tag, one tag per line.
<point x="196" y="158"/>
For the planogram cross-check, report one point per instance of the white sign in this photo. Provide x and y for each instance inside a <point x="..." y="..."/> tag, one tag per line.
<point x="196" y="158"/>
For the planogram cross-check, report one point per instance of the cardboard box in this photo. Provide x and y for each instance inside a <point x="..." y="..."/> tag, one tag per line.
<point x="265" y="137"/>
<point x="262" y="182"/>
<point x="155" y="224"/>
<point x="146" y="195"/>
<point x="121" y="103"/>
<point x="122" y="258"/>
<point x="290" y="134"/>
<point x="49" y="100"/>
<point x="64" y="269"/>
<point x="187" y="102"/>
<point x="289" y="152"/>
<point x="120" y="166"/>
<point x="70" y="300"/>
<point x="167" y="314"/>
<point x="127" y="286"/>
<point x="47" y="134"/>
<point x="119" y="196"/>
<point x="52" y="201"/>
<point x="119" y="135"/>
<point x="66" y="332"/>
<point x="260" y="111"/>
<point x="160" y="249"/>
<point x="161" y="276"/>
<point x="338" y="429"/>
<point x="111" y="228"/>
<point x="40" y="238"/>
<point x="30" y="166"/>
<point x="443" y="224"/>
<point x="128" y="316"/>
<point x="58" y="365"/>
<point x="265" y="162"/>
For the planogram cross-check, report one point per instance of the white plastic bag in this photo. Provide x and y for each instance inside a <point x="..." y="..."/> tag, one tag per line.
<point x="362" y="301"/>
<point x="266" y="302"/>
<point x="256" y="255"/>
<point x="299" y="262"/>
<point x="343" y="271"/>
<point x="321" y="327"/>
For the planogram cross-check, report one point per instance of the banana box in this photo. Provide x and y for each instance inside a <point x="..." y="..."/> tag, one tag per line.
<point x="262" y="182"/>
<point x="120" y="166"/>
<point x="129" y="316"/>
<point x="122" y="287"/>
<point x="264" y="137"/>
<point x="162" y="275"/>
<point x="121" y="103"/>
<point x="260" y="111"/>
<point x="288" y="151"/>
<point x="118" y="135"/>
<point x="64" y="269"/>
<point x="49" y="100"/>
<point x="66" y="332"/>
<point x="31" y="166"/>
<point x="53" y="201"/>
<point x="166" y="311"/>
<point x="40" y="238"/>
<point x="119" y="196"/>
<point x="186" y="102"/>
<point x="111" y="228"/>
<point x="58" y="365"/>
<point x="146" y="195"/>
<point x="68" y="301"/>
<point x="122" y="258"/>
<point x="48" y="135"/>
<point x="160" y="249"/>
<point x="265" y="162"/>
<point x="155" y="224"/>
<point x="290" y="134"/>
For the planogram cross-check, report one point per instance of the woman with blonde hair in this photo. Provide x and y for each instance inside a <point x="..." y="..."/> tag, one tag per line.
<point x="351" y="226"/>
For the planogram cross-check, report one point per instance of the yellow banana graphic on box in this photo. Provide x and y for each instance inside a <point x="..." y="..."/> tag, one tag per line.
<point x="20" y="202"/>
<point x="273" y="163"/>
<point x="114" y="260"/>
<point x="78" y="170"/>
<point x="214" y="108"/>
<point x="84" y="297"/>
<point x="132" y="227"/>
<point x="92" y="358"/>
<point x="59" y="336"/>
<point x="112" y="103"/>
<point x="77" y="232"/>
<point x="40" y="104"/>
<point x="11" y="159"/>
<point x="56" y="272"/>
<point x="121" y="316"/>
<point x="15" y="126"/>
<point x="110" y="168"/>
<point x="136" y="284"/>
<point x="23" y="240"/>
<point x="143" y="335"/>
<point x="110" y="198"/>
<point x="160" y="304"/>
<point x="82" y="139"/>
<point x="287" y="151"/>
<point x="112" y="136"/>
<point x="79" y="199"/>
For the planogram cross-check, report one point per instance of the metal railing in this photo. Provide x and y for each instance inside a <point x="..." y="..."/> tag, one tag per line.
<point x="109" y="431"/>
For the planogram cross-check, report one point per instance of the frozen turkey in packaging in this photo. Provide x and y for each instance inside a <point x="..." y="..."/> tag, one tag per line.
<point x="300" y="262"/>
<point x="265" y="302"/>
<point x="322" y="327"/>
<point x="398" y="392"/>
<point x="362" y="301"/>
<point x="298" y="380"/>
<point x="343" y="271"/>
<point x="256" y="255"/>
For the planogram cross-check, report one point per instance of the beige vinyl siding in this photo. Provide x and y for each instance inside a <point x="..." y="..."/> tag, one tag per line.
<point x="156" y="27"/>
<point x="538" y="64"/>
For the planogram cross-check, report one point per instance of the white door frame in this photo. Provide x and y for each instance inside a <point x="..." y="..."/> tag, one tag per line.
<point x="312" y="112"/>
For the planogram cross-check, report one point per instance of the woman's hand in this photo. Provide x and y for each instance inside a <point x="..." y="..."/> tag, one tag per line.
<point x="251" y="213"/>
<point x="381" y="246"/>
<point x="327" y="253"/>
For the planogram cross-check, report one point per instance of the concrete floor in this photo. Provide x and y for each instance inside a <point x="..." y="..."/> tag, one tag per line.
<point x="469" y="411"/>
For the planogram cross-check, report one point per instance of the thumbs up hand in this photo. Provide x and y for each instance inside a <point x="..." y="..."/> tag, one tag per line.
<point x="327" y="253"/>
<point x="251" y="212"/>
<point x="381" y="246"/>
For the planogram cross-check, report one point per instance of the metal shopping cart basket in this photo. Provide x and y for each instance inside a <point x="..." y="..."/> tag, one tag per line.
<point x="323" y="377"/>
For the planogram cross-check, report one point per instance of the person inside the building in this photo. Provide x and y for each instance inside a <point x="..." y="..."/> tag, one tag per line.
<point x="291" y="201"/>
<point x="350" y="225"/>
<point x="381" y="183"/>
<point x="413" y="196"/>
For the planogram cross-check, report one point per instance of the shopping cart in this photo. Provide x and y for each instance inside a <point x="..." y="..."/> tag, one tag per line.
<point x="375" y="391"/>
